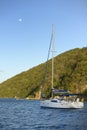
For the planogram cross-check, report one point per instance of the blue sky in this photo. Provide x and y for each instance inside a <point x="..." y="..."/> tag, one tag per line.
<point x="25" y="31"/>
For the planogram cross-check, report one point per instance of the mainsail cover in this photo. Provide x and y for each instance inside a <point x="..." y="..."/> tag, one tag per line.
<point x="56" y="91"/>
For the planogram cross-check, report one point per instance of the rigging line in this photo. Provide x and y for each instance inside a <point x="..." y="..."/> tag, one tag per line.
<point x="44" y="77"/>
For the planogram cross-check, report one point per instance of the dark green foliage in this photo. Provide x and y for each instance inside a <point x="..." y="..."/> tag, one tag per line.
<point x="70" y="72"/>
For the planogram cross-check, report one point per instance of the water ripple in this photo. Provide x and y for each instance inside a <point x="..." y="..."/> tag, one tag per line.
<point x="27" y="115"/>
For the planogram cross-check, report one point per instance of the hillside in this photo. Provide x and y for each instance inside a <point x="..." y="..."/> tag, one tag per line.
<point x="70" y="73"/>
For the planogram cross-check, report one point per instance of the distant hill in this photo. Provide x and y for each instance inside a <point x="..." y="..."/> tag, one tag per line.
<point x="70" y="72"/>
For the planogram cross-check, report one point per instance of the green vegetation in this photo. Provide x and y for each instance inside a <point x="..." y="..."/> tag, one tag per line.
<point x="70" y="72"/>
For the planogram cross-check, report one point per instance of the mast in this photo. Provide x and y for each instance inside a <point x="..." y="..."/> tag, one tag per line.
<point x="52" y="56"/>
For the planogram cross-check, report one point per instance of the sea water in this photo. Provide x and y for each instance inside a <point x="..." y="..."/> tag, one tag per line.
<point x="27" y="115"/>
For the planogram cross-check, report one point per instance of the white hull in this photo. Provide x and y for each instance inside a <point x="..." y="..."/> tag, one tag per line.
<point x="61" y="104"/>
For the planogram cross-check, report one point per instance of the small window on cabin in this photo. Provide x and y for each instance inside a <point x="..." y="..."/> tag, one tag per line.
<point x="53" y="100"/>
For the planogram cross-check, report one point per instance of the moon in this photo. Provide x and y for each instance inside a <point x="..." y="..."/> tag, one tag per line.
<point x="20" y="19"/>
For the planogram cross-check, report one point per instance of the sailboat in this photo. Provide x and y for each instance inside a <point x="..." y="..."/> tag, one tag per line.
<point x="65" y="100"/>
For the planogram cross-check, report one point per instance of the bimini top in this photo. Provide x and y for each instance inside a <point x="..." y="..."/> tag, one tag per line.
<point x="68" y="94"/>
